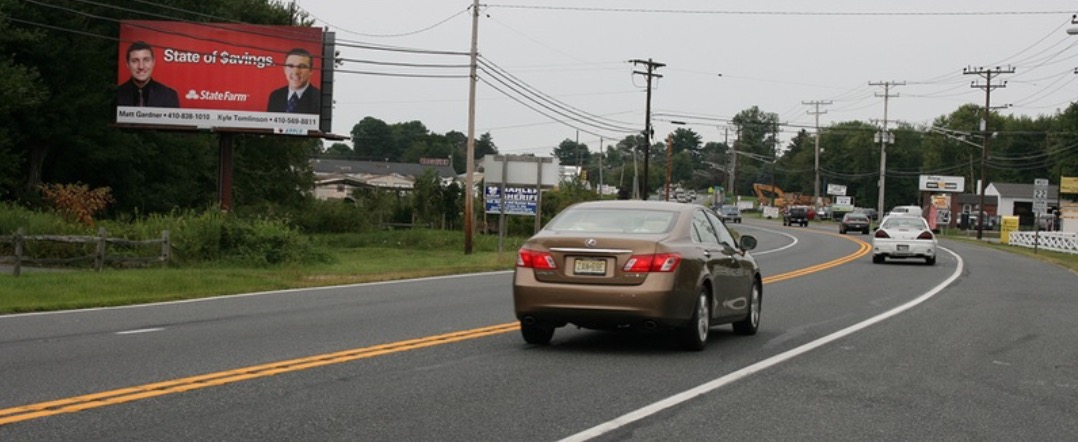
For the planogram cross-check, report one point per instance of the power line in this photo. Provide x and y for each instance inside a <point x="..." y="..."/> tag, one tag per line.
<point x="776" y="13"/>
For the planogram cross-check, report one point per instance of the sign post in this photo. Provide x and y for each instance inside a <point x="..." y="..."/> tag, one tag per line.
<point x="1040" y="207"/>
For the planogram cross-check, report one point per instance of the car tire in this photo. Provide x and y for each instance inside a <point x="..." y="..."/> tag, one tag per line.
<point x="866" y="231"/>
<point x="842" y="231"/>
<point x="931" y="260"/>
<point x="877" y="259"/>
<point x="751" y="323"/>
<point x="537" y="333"/>
<point x="693" y="336"/>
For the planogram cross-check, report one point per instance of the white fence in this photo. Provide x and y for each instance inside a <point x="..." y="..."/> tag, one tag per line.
<point x="1054" y="241"/>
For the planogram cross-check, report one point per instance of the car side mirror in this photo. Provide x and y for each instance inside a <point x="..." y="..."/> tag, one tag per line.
<point x="748" y="242"/>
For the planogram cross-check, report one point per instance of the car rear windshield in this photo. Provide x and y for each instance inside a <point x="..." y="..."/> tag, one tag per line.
<point x="856" y="218"/>
<point x="613" y="221"/>
<point x="907" y="222"/>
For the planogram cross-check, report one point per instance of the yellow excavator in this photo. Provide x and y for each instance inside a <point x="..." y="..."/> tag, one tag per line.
<point x="766" y="192"/>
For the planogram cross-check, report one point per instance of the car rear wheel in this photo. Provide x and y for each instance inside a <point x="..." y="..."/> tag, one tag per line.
<point x="877" y="259"/>
<point x="537" y="333"/>
<point x="931" y="260"/>
<point x="751" y="323"/>
<point x="694" y="335"/>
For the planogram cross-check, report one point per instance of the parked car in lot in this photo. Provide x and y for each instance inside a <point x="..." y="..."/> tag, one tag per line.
<point x="796" y="215"/>
<point x="614" y="265"/>
<point x="858" y="222"/>
<point x="730" y="214"/>
<point x="902" y="237"/>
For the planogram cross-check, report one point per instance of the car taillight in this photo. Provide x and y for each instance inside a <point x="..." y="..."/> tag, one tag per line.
<point x="881" y="234"/>
<point x="925" y="235"/>
<point x="659" y="262"/>
<point x="533" y="259"/>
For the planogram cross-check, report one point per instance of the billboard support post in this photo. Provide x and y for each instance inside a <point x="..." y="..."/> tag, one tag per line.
<point x="224" y="171"/>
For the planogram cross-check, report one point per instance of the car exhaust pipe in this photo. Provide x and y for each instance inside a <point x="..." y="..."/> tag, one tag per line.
<point x="529" y="320"/>
<point x="650" y="325"/>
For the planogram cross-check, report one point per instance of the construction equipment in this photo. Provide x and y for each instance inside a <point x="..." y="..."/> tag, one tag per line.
<point x="766" y="192"/>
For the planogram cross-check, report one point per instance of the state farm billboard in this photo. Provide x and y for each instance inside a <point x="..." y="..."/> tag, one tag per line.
<point x="233" y="76"/>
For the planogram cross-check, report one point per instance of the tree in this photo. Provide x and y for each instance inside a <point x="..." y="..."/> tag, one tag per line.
<point x="64" y="81"/>
<point x="339" y="150"/>
<point x="373" y="139"/>
<point x="572" y="153"/>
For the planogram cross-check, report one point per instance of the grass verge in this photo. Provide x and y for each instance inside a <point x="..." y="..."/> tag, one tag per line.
<point x="75" y="289"/>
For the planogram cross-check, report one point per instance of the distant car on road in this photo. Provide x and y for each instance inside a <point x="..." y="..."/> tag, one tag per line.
<point x="637" y="264"/>
<point x="854" y="221"/>
<point x="902" y="237"/>
<point x="796" y="215"/>
<point x="906" y="210"/>
<point x="871" y="213"/>
<point x="824" y="212"/>
<point x="730" y="214"/>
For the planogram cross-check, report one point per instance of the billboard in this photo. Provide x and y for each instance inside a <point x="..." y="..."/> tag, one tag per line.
<point x="1068" y="184"/>
<point x="936" y="183"/>
<point x="518" y="200"/>
<point x="235" y="76"/>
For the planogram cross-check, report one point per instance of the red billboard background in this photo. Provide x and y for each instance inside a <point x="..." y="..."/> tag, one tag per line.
<point x="220" y="66"/>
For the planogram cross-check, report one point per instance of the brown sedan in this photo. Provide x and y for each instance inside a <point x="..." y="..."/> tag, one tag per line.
<point x="637" y="264"/>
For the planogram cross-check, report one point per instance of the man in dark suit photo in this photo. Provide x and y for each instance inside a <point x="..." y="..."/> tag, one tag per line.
<point x="141" y="89"/>
<point x="299" y="96"/>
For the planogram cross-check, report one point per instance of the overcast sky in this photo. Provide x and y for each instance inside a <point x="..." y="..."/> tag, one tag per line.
<point x="720" y="57"/>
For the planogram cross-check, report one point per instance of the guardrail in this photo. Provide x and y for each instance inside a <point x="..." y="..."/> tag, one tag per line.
<point x="1054" y="241"/>
<point x="100" y="256"/>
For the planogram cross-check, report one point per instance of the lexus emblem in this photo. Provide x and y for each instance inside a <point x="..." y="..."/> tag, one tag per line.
<point x="591" y="242"/>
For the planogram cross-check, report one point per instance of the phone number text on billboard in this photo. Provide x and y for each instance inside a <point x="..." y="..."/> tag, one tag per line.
<point x="208" y="118"/>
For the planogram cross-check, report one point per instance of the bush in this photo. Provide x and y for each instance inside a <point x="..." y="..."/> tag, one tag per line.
<point x="196" y="237"/>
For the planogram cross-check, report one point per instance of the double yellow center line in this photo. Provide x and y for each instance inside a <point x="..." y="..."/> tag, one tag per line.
<point x="130" y="394"/>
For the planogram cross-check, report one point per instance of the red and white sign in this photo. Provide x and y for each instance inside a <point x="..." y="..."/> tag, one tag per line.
<point x="222" y="74"/>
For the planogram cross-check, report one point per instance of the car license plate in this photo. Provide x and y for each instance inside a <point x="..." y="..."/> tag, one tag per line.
<point x="903" y="247"/>
<point x="589" y="266"/>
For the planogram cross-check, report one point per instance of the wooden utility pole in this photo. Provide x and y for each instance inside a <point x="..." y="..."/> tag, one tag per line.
<point x="987" y="86"/>
<point x="817" y="113"/>
<point x="669" y="161"/>
<point x="469" y="179"/>
<point x="884" y="137"/>
<point x="648" y="132"/>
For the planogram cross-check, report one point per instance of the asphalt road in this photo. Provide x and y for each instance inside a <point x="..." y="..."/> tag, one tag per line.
<point x="988" y="357"/>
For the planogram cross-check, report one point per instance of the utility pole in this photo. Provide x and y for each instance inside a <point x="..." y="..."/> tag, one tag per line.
<point x="600" y="168"/>
<point x="469" y="180"/>
<point x="884" y="137"/>
<point x="735" y="159"/>
<point x="816" y="113"/>
<point x="648" y="132"/>
<point x="987" y="74"/>
<point x="669" y="160"/>
<point x="774" y="148"/>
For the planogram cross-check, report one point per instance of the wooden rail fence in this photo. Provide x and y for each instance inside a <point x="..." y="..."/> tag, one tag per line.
<point x="100" y="255"/>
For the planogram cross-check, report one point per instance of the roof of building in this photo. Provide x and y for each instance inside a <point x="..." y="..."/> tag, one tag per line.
<point x="974" y="198"/>
<point x="1023" y="191"/>
<point x="323" y="166"/>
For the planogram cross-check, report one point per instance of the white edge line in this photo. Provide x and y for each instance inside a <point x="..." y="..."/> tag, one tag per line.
<point x="794" y="243"/>
<point x="243" y="295"/>
<point x="685" y="396"/>
<point x="141" y="330"/>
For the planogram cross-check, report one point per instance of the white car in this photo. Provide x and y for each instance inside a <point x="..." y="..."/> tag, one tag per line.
<point x="902" y="237"/>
